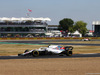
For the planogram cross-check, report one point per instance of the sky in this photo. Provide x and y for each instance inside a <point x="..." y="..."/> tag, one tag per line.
<point x="77" y="10"/>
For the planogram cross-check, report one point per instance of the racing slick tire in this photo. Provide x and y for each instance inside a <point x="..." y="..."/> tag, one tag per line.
<point x="35" y="53"/>
<point x="68" y="48"/>
<point x="26" y="51"/>
<point x="69" y="53"/>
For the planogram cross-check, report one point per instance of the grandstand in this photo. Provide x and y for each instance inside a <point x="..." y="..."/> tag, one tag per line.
<point x="96" y="25"/>
<point x="53" y="27"/>
<point x="21" y="27"/>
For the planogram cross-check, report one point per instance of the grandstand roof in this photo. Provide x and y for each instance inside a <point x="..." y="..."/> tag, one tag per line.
<point x="24" y="19"/>
<point x="96" y="23"/>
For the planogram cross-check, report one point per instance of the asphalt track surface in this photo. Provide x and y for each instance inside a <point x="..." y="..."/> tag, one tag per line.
<point x="43" y="42"/>
<point x="51" y="56"/>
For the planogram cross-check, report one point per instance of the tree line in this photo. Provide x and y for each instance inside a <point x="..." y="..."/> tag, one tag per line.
<point x="69" y="25"/>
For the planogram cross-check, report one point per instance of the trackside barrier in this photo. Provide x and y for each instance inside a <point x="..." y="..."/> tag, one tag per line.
<point x="48" y="38"/>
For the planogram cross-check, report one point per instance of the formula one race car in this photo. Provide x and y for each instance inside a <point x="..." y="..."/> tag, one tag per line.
<point x="85" y="39"/>
<point x="50" y="50"/>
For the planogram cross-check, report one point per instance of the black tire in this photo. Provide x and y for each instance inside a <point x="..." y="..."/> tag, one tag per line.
<point x="26" y="51"/>
<point x="35" y="53"/>
<point x="68" y="48"/>
<point x="69" y="53"/>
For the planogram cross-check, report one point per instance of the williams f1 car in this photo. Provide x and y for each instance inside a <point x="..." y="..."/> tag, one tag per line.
<point x="50" y="50"/>
<point x="85" y="39"/>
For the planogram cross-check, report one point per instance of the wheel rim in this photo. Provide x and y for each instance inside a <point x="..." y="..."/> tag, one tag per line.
<point x="35" y="53"/>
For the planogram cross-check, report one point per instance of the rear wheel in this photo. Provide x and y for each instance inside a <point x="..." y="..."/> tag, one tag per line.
<point x="69" y="53"/>
<point x="35" y="53"/>
<point x="68" y="48"/>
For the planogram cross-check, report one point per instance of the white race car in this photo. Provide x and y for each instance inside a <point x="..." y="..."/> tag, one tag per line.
<point x="85" y="39"/>
<point x="52" y="49"/>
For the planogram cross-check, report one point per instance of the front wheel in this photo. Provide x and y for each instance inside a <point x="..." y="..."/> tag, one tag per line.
<point x="35" y="53"/>
<point x="69" y="53"/>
